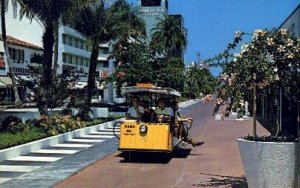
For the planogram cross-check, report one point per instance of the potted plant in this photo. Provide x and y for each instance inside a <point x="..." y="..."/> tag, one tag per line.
<point x="270" y="62"/>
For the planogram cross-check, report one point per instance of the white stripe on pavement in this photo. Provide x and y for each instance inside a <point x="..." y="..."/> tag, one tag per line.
<point x="72" y="145"/>
<point x="2" y="180"/>
<point x="84" y="140"/>
<point x="17" y="168"/>
<point x="35" y="159"/>
<point x="96" y="136"/>
<point x="53" y="151"/>
<point x="104" y="133"/>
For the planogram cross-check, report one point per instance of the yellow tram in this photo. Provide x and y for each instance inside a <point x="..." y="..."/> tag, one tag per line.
<point x="137" y="135"/>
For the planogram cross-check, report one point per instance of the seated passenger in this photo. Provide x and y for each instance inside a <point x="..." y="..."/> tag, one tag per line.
<point x="181" y="130"/>
<point x="163" y="112"/>
<point x="149" y="114"/>
<point x="135" y="111"/>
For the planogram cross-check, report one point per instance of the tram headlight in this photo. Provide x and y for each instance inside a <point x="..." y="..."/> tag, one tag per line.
<point x="143" y="129"/>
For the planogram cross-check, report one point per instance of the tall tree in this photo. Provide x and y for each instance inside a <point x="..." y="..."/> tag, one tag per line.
<point x="168" y="35"/>
<point x="199" y="80"/>
<point x="48" y="13"/>
<point x="100" y="25"/>
<point x="4" y="6"/>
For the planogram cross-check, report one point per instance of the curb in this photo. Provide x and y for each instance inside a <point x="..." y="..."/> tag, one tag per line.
<point x="27" y="148"/>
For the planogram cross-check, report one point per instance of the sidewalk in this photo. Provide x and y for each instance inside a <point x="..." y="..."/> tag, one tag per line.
<point x="219" y="163"/>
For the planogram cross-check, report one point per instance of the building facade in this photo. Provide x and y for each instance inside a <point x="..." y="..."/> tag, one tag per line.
<point x="292" y="23"/>
<point x="150" y="11"/>
<point x="22" y="56"/>
<point x="73" y="51"/>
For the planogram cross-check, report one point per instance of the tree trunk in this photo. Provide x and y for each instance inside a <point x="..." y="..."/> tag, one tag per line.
<point x="254" y="111"/>
<point x="278" y="122"/>
<point x="18" y="102"/>
<point x="46" y="82"/>
<point x="91" y="80"/>
<point x="56" y="41"/>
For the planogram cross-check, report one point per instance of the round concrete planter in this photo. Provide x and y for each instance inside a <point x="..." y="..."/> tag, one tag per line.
<point x="270" y="164"/>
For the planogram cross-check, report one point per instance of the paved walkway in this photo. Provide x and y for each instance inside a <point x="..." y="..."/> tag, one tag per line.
<point x="47" y="166"/>
<point x="216" y="163"/>
<point x="220" y="164"/>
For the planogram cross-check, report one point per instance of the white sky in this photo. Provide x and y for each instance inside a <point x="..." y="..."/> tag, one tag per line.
<point x="23" y="30"/>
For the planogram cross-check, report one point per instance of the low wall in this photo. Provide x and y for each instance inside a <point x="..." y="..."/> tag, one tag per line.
<point x="24" y="149"/>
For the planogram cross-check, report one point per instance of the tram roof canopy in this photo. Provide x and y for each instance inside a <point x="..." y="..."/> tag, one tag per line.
<point x="150" y="88"/>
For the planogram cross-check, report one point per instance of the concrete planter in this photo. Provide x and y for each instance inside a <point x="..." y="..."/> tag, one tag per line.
<point x="270" y="164"/>
<point x="96" y="112"/>
<point x="119" y="100"/>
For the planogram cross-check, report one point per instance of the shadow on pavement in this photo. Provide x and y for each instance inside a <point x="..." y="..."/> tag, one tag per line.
<point x="218" y="180"/>
<point x="152" y="157"/>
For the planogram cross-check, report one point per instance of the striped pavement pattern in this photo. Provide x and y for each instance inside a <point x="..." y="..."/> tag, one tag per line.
<point x="20" y="165"/>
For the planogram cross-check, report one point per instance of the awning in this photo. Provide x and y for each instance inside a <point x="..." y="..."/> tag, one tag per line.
<point x="81" y="85"/>
<point x="5" y="80"/>
<point x="2" y="85"/>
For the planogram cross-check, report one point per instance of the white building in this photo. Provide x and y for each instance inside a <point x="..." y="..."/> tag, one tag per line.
<point x="73" y="51"/>
<point x="22" y="55"/>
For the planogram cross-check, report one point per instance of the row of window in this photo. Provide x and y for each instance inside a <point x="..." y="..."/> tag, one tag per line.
<point x="16" y="54"/>
<point x="74" y="42"/>
<point x="75" y="60"/>
<point x="20" y="70"/>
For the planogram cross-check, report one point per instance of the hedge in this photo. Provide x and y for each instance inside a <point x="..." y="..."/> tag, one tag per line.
<point x="9" y="140"/>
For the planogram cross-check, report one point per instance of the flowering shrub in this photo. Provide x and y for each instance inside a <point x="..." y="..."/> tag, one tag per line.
<point x="271" y="60"/>
<point x="57" y="124"/>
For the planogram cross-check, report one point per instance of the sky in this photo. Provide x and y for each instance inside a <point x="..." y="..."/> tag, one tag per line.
<point x="211" y="24"/>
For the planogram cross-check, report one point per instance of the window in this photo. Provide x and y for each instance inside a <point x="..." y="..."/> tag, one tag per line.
<point x="21" y="56"/>
<point x="64" y="39"/>
<point x="81" y="45"/>
<point x="151" y="3"/>
<point x="104" y="50"/>
<point x="291" y="30"/>
<point x="69" y="41"/>
<point x="105" y="64"/>
<point x="64" y="58"/>
<point x="76" y="43"/>
<point x="76" y="60"/>
<point x="70" y="59"/>
<point x="16" y="55"/>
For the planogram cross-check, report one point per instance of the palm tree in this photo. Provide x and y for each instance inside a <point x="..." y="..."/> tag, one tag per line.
<point x="168" y="35"/>
<point x="4" y="6"/>
<point x="101" y="25"/>
<point x="49" y="14"/>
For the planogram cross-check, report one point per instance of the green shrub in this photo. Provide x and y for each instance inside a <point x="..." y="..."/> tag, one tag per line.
<point x="9" y="139"/>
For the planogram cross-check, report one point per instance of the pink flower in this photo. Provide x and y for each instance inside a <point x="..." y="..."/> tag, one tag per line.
<point x="270" y="41"/>
<point x="290" y="42"/>
<point x="290" y="55"/>
<point x="281" y="48"/>
<point x="283" y="31"/>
